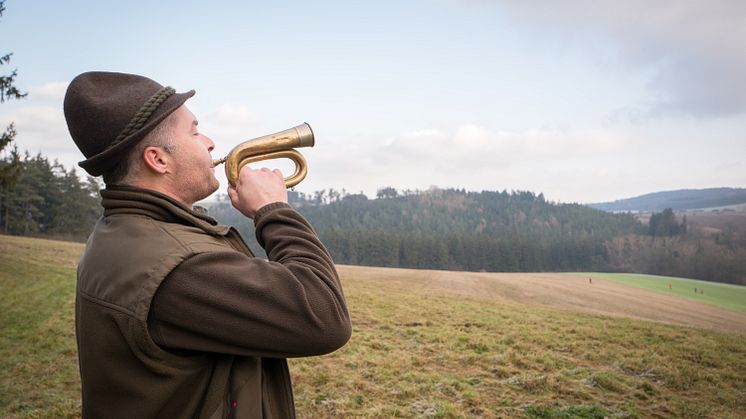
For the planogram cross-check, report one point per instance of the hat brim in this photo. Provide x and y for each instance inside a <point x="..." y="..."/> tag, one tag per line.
<point x="107" y="159"/>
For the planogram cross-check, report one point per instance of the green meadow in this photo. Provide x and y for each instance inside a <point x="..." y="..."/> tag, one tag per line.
<point x="413" y="354"/>
<point x="728" y="296"/>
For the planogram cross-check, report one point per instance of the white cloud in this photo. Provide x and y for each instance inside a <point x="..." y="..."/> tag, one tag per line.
<point x="475" y="147"/>
<point x="40" y="123"/>
<point x="230" y="125"/>
<point x="52" y="91"/>
<point x="468" y="156"/>
<point x="555" y="144"/>
<point x="471" y="137"/>
<point x="693" y="49"/>
<point x="41" y="128"/>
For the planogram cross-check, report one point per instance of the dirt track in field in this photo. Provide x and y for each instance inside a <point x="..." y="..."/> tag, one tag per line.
<point x="561" y="291"/>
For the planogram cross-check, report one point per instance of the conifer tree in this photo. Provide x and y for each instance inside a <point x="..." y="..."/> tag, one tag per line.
<point x="8" y="90"/>
<point x="10" y="167"/>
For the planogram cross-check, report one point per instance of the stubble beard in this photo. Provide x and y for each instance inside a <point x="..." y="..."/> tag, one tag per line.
<point x="198" y="185"/>
<point x="211" y="185"/>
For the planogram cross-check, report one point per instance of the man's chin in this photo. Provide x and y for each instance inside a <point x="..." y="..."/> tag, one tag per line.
<point x="214" y="185"/>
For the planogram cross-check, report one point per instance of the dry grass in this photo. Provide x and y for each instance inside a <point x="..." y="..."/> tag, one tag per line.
<point x="38" y="358"/>
<point x="425" y="344"/>
<point x="445" y="351"/>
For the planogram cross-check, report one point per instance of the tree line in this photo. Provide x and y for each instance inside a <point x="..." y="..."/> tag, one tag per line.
<point x="453" y="229"/>
<point x="506" y="232"/>
<point x="42" y="198"/>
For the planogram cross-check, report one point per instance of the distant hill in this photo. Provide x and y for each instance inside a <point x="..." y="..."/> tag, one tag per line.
<point x="516" y="231"/>
<point x="459" y="230"/>
<point x="679" y="200"/>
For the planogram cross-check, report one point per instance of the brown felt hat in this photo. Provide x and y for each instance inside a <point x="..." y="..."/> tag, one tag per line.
<point x="108" y="113"/>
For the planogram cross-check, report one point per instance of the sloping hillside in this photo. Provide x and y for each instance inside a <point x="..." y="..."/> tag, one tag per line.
<point x="679" y="200"/>
<point x="424" y="344"/>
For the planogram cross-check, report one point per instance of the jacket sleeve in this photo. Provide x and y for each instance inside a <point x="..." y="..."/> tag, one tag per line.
<point x="227" y="302"/>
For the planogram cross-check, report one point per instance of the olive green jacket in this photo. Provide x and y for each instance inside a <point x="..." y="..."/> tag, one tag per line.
<point x="175" y="317"/>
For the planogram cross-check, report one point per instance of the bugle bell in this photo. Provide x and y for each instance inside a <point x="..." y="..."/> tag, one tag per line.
<point x="279" y="145"/>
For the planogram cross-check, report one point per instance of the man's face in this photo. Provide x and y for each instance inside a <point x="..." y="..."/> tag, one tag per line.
<point x="194" y="174"/>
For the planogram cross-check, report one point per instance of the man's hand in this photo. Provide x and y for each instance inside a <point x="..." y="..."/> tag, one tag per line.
<point x="257" y="188"/>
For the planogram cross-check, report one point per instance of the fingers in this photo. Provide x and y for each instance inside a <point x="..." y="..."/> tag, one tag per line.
<point x="276" y="172"/>
<point x="263" y="169"/>
<point x="256" y="188"/>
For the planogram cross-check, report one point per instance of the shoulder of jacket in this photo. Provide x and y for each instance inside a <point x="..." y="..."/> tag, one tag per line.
<point x="191" y="238"/>
<point x="180" y="238"/>
<point x="142" y="252"/>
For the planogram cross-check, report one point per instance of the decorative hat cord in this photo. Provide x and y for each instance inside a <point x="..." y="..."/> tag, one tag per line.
<point x="144" y="113"/>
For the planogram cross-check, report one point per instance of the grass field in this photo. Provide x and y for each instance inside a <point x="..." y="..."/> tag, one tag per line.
<point x="38" y="359"/>
<point x="722" y="295"/>
<point x="416" y="351"/>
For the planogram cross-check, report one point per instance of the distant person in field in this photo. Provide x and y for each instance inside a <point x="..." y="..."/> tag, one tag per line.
<point x="175" y="317"/>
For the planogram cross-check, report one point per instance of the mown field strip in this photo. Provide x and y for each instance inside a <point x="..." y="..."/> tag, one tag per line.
<point x="728" y="296"/>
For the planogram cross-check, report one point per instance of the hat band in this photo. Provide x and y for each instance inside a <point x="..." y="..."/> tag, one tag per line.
<point x="144" y="113"/>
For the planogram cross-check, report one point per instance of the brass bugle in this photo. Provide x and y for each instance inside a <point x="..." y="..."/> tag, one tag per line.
<point x="279" y="145"/>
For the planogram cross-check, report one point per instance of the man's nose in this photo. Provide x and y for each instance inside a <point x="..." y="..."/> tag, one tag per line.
<point x="208" y="142"/>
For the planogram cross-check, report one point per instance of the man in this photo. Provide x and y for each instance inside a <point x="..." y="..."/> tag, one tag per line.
<point x="175" y="317"/>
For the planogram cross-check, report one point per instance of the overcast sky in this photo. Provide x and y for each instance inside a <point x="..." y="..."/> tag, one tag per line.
<point x="584" y="101"/>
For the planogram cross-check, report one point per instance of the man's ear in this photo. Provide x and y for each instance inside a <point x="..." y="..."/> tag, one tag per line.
<point x="157" y="160"/>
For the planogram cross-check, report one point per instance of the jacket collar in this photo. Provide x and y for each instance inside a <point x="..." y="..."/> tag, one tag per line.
<point x="118" y="199"/>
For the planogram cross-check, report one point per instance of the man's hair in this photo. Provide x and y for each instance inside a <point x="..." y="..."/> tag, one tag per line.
<point x="128" y="168"/>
